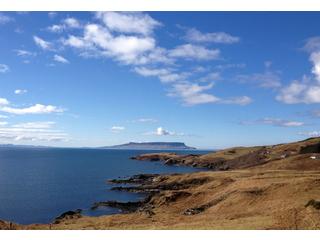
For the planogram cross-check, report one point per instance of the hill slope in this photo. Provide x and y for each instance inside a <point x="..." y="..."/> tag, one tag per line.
<point x="303" y="155"/>
<point x="264" y="187"/>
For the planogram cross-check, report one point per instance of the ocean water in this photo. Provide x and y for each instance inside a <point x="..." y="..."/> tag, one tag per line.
<point x="38" y="184"/>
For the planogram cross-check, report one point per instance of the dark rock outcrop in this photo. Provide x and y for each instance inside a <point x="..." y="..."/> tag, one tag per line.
<point x="158" y="192"/>
<point x="135" y="179"/>
<point x="314" y="148"/>
<point x="68" y="215"/>
<point x="4" y="225"/>
<point x="313" y="203"/>
<point x="126" y="207"/>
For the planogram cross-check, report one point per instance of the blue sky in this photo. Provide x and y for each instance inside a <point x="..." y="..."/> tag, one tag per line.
<point x="209" y="79"/>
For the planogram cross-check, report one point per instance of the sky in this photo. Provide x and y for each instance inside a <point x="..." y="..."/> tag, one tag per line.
<point x="209" y="79"/>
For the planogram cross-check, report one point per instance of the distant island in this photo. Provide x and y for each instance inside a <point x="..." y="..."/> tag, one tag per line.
<point x="130" y="145"/>
<point x="152" y="146"/>
<point x="22" y="146"/>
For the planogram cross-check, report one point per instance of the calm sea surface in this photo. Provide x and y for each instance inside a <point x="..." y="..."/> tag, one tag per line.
<point x="38" y="184"/>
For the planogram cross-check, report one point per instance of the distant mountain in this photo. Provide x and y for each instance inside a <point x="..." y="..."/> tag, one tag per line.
<point x="130" y="145"/>
<point x="22" y="146"/>
<point x="152" y="146"/>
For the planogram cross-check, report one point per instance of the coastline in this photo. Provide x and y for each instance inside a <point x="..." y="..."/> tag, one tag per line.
<point x="215" y="200"/>
<point x="267" y="187"/>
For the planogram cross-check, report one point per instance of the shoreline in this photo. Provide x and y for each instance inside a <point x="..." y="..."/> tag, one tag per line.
<point x="264" y="187"/>
<point x="214" y="200"/>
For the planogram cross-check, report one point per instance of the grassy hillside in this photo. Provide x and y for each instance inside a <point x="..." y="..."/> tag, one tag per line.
<point x="264" y="187"/>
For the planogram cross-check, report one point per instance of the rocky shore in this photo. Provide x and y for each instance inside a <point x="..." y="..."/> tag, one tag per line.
<point x="242" y="157"/>
<point x="264" y="187"/>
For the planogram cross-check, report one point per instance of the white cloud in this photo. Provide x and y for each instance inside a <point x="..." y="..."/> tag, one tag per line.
<point x="52" y="14"/>
<point x="43" y="125"/>
<point x="18" y="30"/>
<point x="292" y="93"/>
<point x="60" y="59"/>
<point x="20" y="91"/>
<point x="190" y="51"/>
<point x="300" y="92"/>
<point x="33" y="131"/>
<point x="127" y="38"/>
<point x="127" y="49"/>
<point x="3" y="117"/>
<point x="315" y="59"/>
<point x="146" y="120"/>
<point x="5" y="19"/>
<point x="212" y="76"/>
<point x="312" y="44"/>
<point x="98" y="41"/>
<point x="35" y="109"/>
<point x="275" y="122"/>
<point x="123" y="37"/>
<point x="200" y="69"/>
<point x="117" y="129"/>
<point x="94" y="35"/>
<point x="164" y="74"/>
<point x="3" y="123"/>
<point x="68" y="23"/>
<point x="4" y="101"/>
<point x="268" y="79"/>
<point x="162" y="132"/>
<point x="308" y="89"/>
<point x="194" y="35"/>
<point x="76" y="42"/>
<point x="293" y="124"/>
<point x="172" y="77"/>
<point x="243" y="100"/>
<point x="128" y="22"/>
<point x="192" y="93"/>
<point x="156" y="55"/>
<point x="71" y="22"/>
<point x="147" y="72"/>
<point x="23" y="135"/>
<point x="4" y="68"/>
<point x="45" y="45"/>
<point x="230" y="65"/>
<point x="24" y="53"/>
<point x="310" y="134"/>
<point x="56" y="28"/>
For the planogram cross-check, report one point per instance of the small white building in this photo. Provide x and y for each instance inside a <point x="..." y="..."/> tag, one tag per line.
<point x="313" y="157"/>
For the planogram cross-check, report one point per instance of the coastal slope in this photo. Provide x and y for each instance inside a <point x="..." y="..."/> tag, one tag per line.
<point x="302" y="155"/>
<point x="243" y="199"/>
<point x="263" y="187"/>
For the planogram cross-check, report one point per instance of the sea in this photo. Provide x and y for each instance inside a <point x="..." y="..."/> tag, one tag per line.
<point x="39" y="184"/>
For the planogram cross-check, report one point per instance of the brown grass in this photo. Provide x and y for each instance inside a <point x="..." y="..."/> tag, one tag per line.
<point x="275" y="194"/>
<point x="243" y="199"/>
